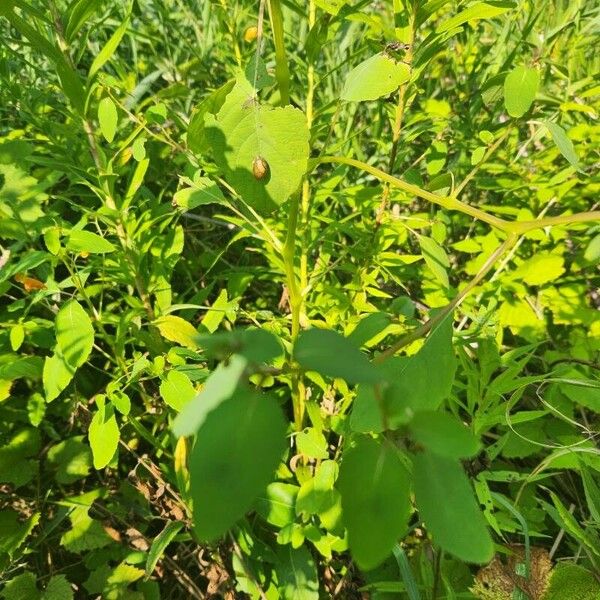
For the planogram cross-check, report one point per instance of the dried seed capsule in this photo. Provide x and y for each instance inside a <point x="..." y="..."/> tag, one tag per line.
<point x="260" y="168"/>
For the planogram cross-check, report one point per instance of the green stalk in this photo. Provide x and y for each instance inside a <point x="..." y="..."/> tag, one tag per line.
<point x="282" y="72"/>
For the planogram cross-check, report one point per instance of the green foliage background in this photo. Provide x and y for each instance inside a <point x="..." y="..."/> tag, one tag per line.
<point x="372" y="371"/>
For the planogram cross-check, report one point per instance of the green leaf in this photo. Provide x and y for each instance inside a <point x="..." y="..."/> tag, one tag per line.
<point x="563" y="143"/>
<point x="443" y="435"/>
<point x="236" y="453"/>
<point x="592" y="492"/>
<point x="541" y="268"/>
<point x="160" y="543"/>
<point x="448" y="508"/>
<point x="79" y="12"/>
<point x="411" y="387"/>
<point x="436" y="258"/>
<point x="244" y="130"/>
<point x="108" y="118"/>
<point x="216" y="313"/>
<point x="71" y="459"/>
<point x="178" y="330"/>
<point x="312" y="443"/>
<point x="475" y="12"/>
<point x="331" y="354"/>
<point x="592" y="252"/>
<point x="14" y="533"/>
<point x="22" y="587"/>
<point x="103" y="435"/>
<point x="85" y="533"/>
<point x="254" y="344"/>
<point x="202" y="191"/>
<point x="58" y="588"/>
<point x="220" y="385"/>
<point x="109" y="48"/>
<point x="572" y="582"/>
<point x="520" y="88"/>
<point x="74" y="334"/>
<point x="373" y="78"/>
<point x="80" y="240"/>
<point x="17" y="336"/>
<point x="177" y="390"/>
<point x="56" y="376"/>
<point x="278" y="504"/>
<point x="374" y="486"/>
<point x="368" y="328"/>
<point x="296" y="574"/>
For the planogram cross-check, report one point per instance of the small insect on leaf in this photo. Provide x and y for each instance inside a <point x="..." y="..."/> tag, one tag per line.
<point x="260" y="168"/>
<point x="29" y="283"/>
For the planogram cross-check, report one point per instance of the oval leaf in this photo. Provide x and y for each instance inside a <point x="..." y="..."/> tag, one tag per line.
<point x="448" y="508"/>
<point x="74" y="334"/>
<point x="235" y="455"/>
<point x="374" y="486"/>
<point x="108" y="119"/>
<point x="86" y="241"/>
<point x="103" y="435"/>
<point x="375" y="77"/>
<point x="520" y="88"/>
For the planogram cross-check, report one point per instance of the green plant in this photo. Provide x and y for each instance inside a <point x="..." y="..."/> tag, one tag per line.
<point x="321" y="302"/>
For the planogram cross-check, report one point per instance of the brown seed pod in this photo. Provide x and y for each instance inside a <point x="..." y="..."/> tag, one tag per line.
<point x="260" y="168"/>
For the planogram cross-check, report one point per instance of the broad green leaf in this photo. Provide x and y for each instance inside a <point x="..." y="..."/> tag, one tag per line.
<point x="331" y="354"/>
<point x="296" y="574"/>
<point x="312" y="443"/>
<point x="80" y="240"/>
<point x="592" y="252"/>
<point x="235" y="455"/>
<point x="21" y="587"/>
<point x="243" y="131"/>
<point x="368" y="328"/>
<point x="56" y="376"/>
<point x="103" y="435"/>
<point x="71" y="460"/>
<point x="109" y="48"/>
<point x="216" y="313"/>
<point x="563" y="143"/>
<point x="178" y="330"/>
<point x="436" y="259"/>
<point x="254" y="344"/>
<point x="217" y="388"/>
<point x="375" y="490"/>
<point x="411" y="387"/>
<point x="278" y="504"/>
<point x="85" y="533"/>
<point x="443" y="434"/>
<point x="475" y="12"/>
<point x="14" y="532"/>
<point x="17" y="336"/>
<point x="375" y="77"/>
<point x="58" y="588"/>
<point x="520" y="88"/>
<point x="448" y="508"/>
<point x="177" y="390"/>
<point x="202" y="191"/>
<point x="108" y="118"/>
<point x="74" y="334"/>
<point x="160" y="543"/>
<point x="318" y="496"/>
<point x="541" y="268"/>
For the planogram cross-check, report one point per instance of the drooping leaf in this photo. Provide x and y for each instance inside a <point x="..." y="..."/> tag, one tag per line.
<point x="235" y="455"/>
<point x="221" y="384"/>
<point x="332" y="355"/>
<point x="243" y="131"/>
<point x="563" y="143"/>
<point x="520" y="88"/>
<point x="74" y="334"/>
<point x="448" y="508"/>
<point x="201" y="191"/>
<point x="108" y="118"/>
<point x="375" y="77"/>
<point x="411" y="387"/>
<point x="374" y="486"/>
<point x="442" y="434"/>
<point x="56" y="376"/>
<point x="103" y="435"/>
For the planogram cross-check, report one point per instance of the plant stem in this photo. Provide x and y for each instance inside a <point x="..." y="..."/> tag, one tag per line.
<point x="282" y="72"/>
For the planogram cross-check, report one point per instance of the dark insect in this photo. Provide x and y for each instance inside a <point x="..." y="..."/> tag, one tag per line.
<point x="396" y="47"/>
<point x="260" y="168"/>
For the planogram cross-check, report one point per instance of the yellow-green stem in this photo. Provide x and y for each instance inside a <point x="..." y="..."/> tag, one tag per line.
<point x="282" y="72"/>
